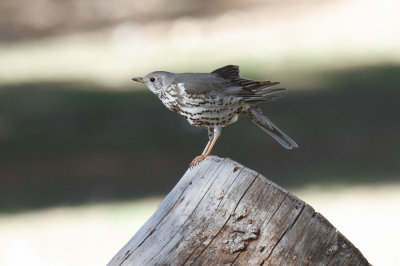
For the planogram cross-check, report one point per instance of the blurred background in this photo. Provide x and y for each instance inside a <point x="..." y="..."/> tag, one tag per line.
<point x="86" y="155"/>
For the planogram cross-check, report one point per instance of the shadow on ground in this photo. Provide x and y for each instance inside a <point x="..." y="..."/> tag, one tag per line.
<point x="67" y="143"/>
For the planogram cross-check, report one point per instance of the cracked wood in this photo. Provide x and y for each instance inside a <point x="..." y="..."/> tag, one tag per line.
<point x="221" y="213"/>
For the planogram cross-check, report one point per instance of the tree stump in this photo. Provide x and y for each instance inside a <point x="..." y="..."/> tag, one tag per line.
<point x="221" y="213"/>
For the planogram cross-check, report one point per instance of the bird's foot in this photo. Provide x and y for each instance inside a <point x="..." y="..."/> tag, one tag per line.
<point x="198" y="159"/>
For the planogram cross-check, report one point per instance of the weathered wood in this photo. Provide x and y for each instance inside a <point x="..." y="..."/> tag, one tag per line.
<point x="223" y="213"/>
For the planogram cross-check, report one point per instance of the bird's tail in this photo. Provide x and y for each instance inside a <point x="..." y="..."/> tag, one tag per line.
<point x="256" y="116"/>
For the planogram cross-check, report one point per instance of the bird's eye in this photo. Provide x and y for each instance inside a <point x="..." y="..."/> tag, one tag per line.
<point x="152" y="79"/>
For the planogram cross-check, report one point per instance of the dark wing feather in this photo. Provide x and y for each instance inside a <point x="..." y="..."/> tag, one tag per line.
<point x="227" y="81"/>
<point x="231" y="74"/>
<point x="266" y="95"/>
<point x="228" y="72"/>
<point x="255" y="91"/>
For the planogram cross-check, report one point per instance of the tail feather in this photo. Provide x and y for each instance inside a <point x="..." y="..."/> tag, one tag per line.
<point x="255" y="115"/>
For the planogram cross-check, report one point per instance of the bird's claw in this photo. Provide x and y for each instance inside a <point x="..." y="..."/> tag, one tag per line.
<point x="197" y="160"/>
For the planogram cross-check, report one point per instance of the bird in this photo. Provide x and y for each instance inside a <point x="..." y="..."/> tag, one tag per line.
<point x="215" y="100"/>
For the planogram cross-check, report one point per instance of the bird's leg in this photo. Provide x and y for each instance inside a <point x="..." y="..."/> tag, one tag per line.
<point x="213" y="135"/>
<point x="206" y="148"/>
<point x="210" y="147"/>
<point x="203" y="156"/>
<point x="210" y="137"/>
<point x="205" y="153"/>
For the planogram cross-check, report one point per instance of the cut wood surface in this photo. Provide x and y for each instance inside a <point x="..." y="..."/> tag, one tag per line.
<point x="221" y="213"/>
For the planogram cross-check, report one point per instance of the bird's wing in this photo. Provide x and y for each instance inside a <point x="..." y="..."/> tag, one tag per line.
<point x="249" y="90"/>
<point x="228" y="72"/>
<point x="227" y="81"/>
<point x="200" y="83"/>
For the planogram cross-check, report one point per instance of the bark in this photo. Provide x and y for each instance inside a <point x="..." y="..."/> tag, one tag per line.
<point x="222" y="213"/>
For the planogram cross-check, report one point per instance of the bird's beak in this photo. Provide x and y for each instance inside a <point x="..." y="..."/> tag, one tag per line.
<point x="138" y="79"/>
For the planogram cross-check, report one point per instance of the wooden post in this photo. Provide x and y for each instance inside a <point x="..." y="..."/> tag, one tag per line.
<point x="223" y="213"/>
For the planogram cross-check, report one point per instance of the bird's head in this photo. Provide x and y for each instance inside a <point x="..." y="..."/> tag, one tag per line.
<point x="155" y="81"/>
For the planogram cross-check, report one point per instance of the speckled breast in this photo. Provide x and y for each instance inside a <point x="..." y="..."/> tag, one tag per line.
<point x="204" y="111"/>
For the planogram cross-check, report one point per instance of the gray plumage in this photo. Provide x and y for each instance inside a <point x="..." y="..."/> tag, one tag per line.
<point x="214" y="100"/>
